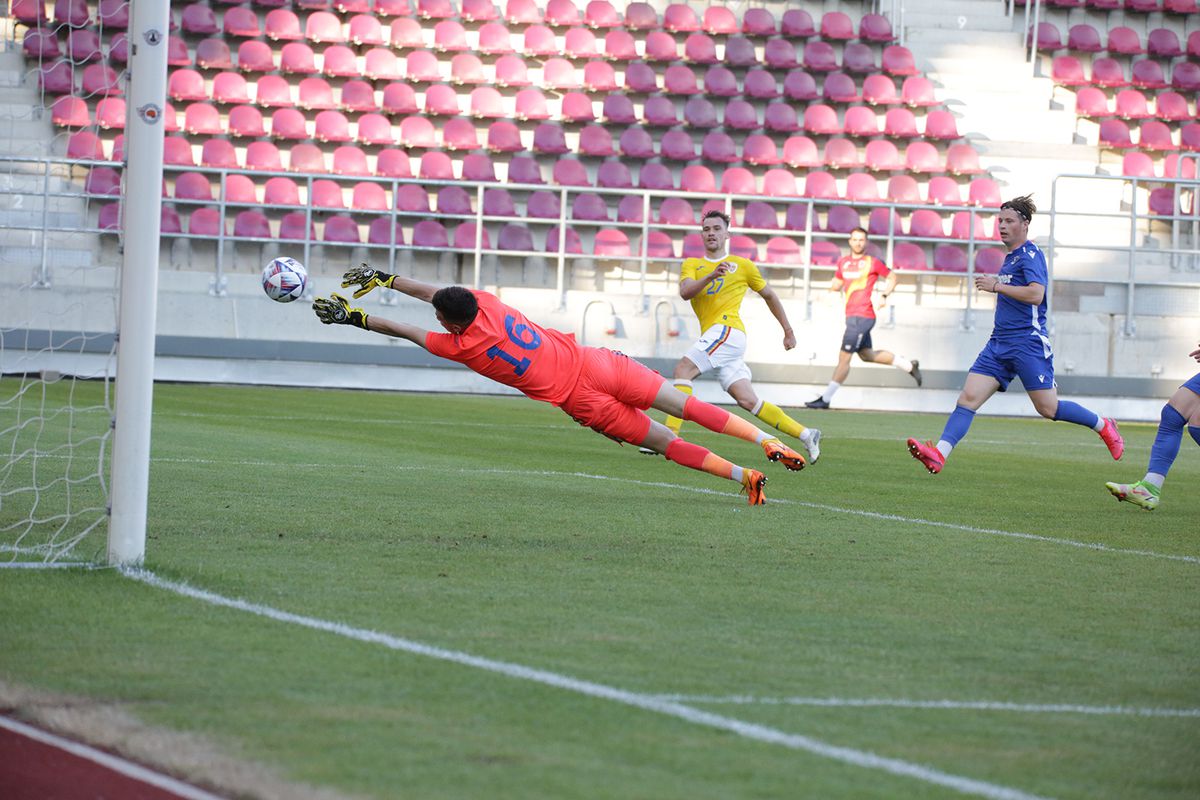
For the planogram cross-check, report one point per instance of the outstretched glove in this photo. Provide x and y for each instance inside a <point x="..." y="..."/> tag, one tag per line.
<point x="367" y="279"/>
<point x="337" y="311"/>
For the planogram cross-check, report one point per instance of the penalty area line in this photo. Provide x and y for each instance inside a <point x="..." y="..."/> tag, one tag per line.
<point x="846" y="755"/>
<point x="949" y="705"/>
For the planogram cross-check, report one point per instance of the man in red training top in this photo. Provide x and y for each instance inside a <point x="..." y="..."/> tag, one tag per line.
<point x="857" y="274"/>
<point x="599" y="388"/>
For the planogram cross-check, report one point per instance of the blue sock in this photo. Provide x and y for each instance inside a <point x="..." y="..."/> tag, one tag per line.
<point x="1194" y="430"/>
<point x="1166" y="443"/>
<point x="958" y="424"/>
<point x="1073" y="412"/>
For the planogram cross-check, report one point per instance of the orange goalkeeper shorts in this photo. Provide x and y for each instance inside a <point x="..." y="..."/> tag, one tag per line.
<point x="612" y="395"/>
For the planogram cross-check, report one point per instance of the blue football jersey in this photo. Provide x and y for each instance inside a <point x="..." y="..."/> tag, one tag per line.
<point x="1016" y="320"/>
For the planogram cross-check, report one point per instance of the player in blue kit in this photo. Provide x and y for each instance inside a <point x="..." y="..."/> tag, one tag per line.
<point x="1019" y="346"/>
<point x="1182" y="409"/>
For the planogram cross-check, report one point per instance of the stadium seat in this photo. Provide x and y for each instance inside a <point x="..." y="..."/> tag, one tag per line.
<point x="820" y="185"/>
<point x="840" y="88"/>
<point x="820" y="119"/>
<point x="1156" y="136"/>
<point x="280" y="24"/>
<point x="435" y="166"/>
<point x="784" y="250"/>
<point x="232" y="89"/>
<point x="739" y="52"/>
<point x="881" y="155"/>
<point x="399" y="99"/>
<point x="459" y="134"/>
<point x="613" y="174"/>
<point x="422" y="66"/>
<point x="118" y="49"/>
<point x="677" y="145"/>
<point x="339" y="61"/>
<point x="430" y="234"/>
<point x="543" y="205"/>
<point x="393" y="163"/>
<point x="797" y="23"/>
<point x="738" y="180"/>
<point x="758" y="22"/>
<point x="205" y="222"/>
<point x="678" y="79"/>
<point x="659" y="46"/>
<point x="759" y="84"/>
<point x="1137" y="165"/>
<point x="515" y="237"/>
<point x="1148" y="74"/>
<point x="619" y="45"/>
<point x="900" y="123"/>
<point x="949" y="258"/>
<point x="780" y="54"/>
<point x="530" y="104"/>
<point x="596" y="141"/>
<point x="861" y="187"/>
<point x="962" y="159"/>
<point x="280" y="191"/>
<point x="819" y="56"/>
<point x="349" y="159"/>
<point x="83" y="46"/>
<point x="1091" y="102"/>
<point x="799" y="85"/>
<point x="454" y="201"/>
<point x="861" y="121"/>
<point x="380" y="64"/>
<point x="801" y="152"/>
<point x="478" y="167"/>
<point x="550" y="139"/>
<point x="570" y="243"/>
<point x="405" y="34"/>
<point x="498" y="203"/>
<point x="699" y="113"/>
<point x="326" y="194"/>
<point x="449" y="36"/>
<point x="441" y="101"/>
<point x="719" y="147"/>
<point x="1067" y="71"/>
<point x="676" y="211"/>
<point x="1083" y="38"/>
<point x="880" y="90"/>
<point x="202" y="119"/>
<point x="417" y="132"/>
<point x="842" y="219"/>
<point x="841" y="153"/>
<point x="486" y="103"/>
<point x="631" y="208"/>
<point x="1175" y="166"/>
<point x="251" y="224"/>
<point x="381" y="231"/>
<point x="761" y="150"/>
<point x="177" y="50"/>
<point x="366" y="31"/>
<point x="917" y="92"/>
<point x="922" y="157"/>
<point x="577" y="107"/>
<point x="640" y="78"/>
<point x="263" y="156"/>
<point x="255" y="56"/>
<point x="1114" y="133"/>
<point x="70" y="112"/>
<point x="504" y="137"/>
<point x="306" y="157"/>
<point x="213" y="54"/>
<point x="618" y="110"/>
<point x="599" y="76"/>
<point x="875" y="28"/>
<point x="601" y="14"/>
<point x="697" y="178"/>
<point x="699" y="48"/>
<point x="989" y="260"/>
<point x="193" y="186"/>
<point x="289" y="123"/>
<point x="636" y="142"/>
<point x="960" y="227"/>
<point x="176" y="150"/>
<point x="984" y="192"/>
<point x="740" y="115"/>
<point x="1163" y="43"/>
<point x="435" y="9"/>
<point x="1185" y="76"/>
<point x="569" y="172"/>
<point x="1048" y="37"/>
<point x="656" y="177"/>
<point x="580" y="43"/>
<point x="331" y="126"/>
<point x="926" y="223"/>
<point x="40" y="45"/>
<point x="110" y="115"/>
<point x="73" y="13"/>
<point x="412" y="199"/>
<point x="837" y="26"/>
<point x="898" y="60"/>
<point x="1172" y="107"/>
<point x="720" y="82"/>
<point x="859" y="59"/>
<point x="884" y="222"/>
<point x="323" y="27"/>
<point x="562" y="14"/>
<point x="760" y="215"/>
<point x="941" y="124"/>
<point x="903" y="189"/>
<point x="909" y="256"/>
<point x="559" y="74"/>
<point x="1108" y="72"/>
<point x="744" y="246"/>
<point x="185" y="85"/>
<point x="1123" y="40"/>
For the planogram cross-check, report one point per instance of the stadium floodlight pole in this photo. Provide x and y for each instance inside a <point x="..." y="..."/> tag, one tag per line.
<point x="141" y="222"/>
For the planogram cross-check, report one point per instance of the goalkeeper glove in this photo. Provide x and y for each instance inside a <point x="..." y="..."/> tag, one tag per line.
<point x="367" y="279"/>
<point x="337" y="311"/>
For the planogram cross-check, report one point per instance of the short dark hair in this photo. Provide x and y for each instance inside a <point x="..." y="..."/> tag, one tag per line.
<point x="457" y="304"/>
<point x="1023" y="206"/>
<point x="858" y="229"/>
<point x="712" y="212"/>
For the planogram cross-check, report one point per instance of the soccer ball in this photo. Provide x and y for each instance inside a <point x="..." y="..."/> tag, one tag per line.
<point x="284" y="279"/>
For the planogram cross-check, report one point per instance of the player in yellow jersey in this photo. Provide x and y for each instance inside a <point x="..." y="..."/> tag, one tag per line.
<point x="715" y="285"/>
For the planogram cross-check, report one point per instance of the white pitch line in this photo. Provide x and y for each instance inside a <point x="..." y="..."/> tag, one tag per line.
<point x="700" y="490"/>
<point x="956" y="705"/>
<point x="120" y="765"/>
<point x="748" y="730"/>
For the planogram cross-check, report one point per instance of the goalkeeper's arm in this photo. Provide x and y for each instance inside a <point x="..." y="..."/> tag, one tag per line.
<point x="337" y="311"/>
<point x="367" y="278"/>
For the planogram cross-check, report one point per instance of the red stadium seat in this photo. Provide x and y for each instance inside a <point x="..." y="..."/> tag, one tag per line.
<point x="324" y="27"/>
<point x="875" y="28"/>
<point x="326" y="194"/>
<point x="358" y="96"/>
<point x="861" y="187"/>
<point x="543" y="205"/>
<point x="1114" y="133"/>
<point x="1163" y="43"/>
<point x="289" y="123"/>
<point x="949" y="258"/>
<point x="740" y="116"/>
<point x="241" y="22"/>
<point x="659" y="111"/>
<point x="1155" y="135"/>
<point x="989" y="260"/>
<point x="459" y="134"/>
<point x="640" y="78"/>
<point x="680" y="18"/>
<point x="495" y="40"/>
<point x="1172" y="107"/>
<point x="926" y="223"/>
<point x="1067" y="71"/>
<point x="84" y="45"/>
<point x="339" y="61"/>
<point x="70" y="112"/>
<point x="559" y="74"/>
<point x="962" y="159"/>
<point x="539" y="41"/>
<point x="570" y="241"/>
<point x="660" y="46"/>
<point x="281" y="24"/>
<point x="1137" y="165"/>
<point x="531" y="105"/>
<point x="435" y="9"/>
<point x="836" y="25"/>
<point x="380" y="64"/>
<point x="1148" y="74"/>
<point x="783" y="250"/>
<point x="562" y="14"/>
<point x="1185" y="76"/>
<point x="941" y="124"/>
<point x="680" y="80"/>
<point x="699" y="48"/>
<point x="176" y="150"/>
<point x="430" y="234"/>
<point x="454" y="200"/>
<point x="677" y="145"/>
<point x="413" y="199"/>
<point x="422" y="66"/>
<point x="1108" y="72"/>
<point x="918" y="92"/>
<point x="110" y="115"/>
<point x="316" y="94"/>
<point x="859" y="59"/>
<point x="366" y="30"/>
<point x="760" y="215"/>
<point x="824" y="253"/>
<point x="74" y="13"/>
<point x="1124" y="40"/>
<point x="449" y="36"/>
<point x="39" y="44"/>
<point x="478" y="167"/>
<point x="842" y="219"/>
<point x="498" y="203"/>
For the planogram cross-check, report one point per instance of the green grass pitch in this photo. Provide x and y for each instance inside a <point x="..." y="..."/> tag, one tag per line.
<point x="864" y="591"/>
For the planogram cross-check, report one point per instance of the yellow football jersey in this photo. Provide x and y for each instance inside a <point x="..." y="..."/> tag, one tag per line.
<point x="720" y="302"/>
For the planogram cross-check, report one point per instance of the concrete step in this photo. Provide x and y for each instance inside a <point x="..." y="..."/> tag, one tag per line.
<point x="56" y="258"/>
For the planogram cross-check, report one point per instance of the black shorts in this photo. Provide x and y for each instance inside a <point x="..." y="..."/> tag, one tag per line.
<point x="858" y="334"/>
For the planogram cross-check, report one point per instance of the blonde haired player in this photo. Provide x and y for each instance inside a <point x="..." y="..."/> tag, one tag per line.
<point x="715" y="285"/>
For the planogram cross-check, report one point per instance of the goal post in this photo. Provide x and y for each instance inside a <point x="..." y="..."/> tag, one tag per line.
<point x="137" y="310"/>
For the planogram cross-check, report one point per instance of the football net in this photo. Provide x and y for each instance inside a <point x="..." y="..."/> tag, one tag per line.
<point x="58" y="304"/>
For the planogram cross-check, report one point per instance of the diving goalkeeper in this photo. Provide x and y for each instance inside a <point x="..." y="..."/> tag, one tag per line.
<point x="599" y="388"/>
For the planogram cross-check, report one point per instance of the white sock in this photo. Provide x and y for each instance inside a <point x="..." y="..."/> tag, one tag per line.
<point x="830" y="391"/>
<point x="944" y="448"/>
<point x="1154" y="479"/>
<point x="736" y="473"/>
<point x="806" y="435"/>
<point x="1099" y="426"/>
<point x="900" y="362"/>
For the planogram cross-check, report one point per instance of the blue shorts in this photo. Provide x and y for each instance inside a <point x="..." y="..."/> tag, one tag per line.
<point x="1031" y="359"/>
<point x="1193" y="383"/>
<point x="858" y="334"/>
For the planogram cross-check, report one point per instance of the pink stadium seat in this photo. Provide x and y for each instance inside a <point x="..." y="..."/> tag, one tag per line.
<point x="962" y="159"/>
<point x="1175" y="166"/>
<point x="861" y="187"/>
<point x="1108" y="72"/>
<point x="118" y="49"/>
<point x="1084" y="38"/>
<point x="744" y="246"/>
<point x="454" y="200"/>
<point x="949" y="258"/>
<point x="1163" y="43"/>
<point x="989" y="260"/>
<point x="339" y="61"/>
<point x="880" y="90"/>
<point x="495" y="39"/>
<point x="680" y="18"/>
<point x="640" y="78"/>
<point x="83" y="46"/>
<point x="449" y="36"/>
<point x="898" y="60"/>
<point x="599" y="76"/>
<point x="306" y="157"/>
<point x="515" y="237"/>
<point x="824" y="253"/>
<point x="836" y="25"/>
<point x="941" y="124"/>
<point x="861" y="121"/>
<point x="618" y="110"/>
<point x="1181" y="6"/>
<point x="698" y="112"/>
<point x="435" y="9"/>
<point x="289" y="123"/>
<point x="504" y="137"/>
<point x="393" y="163"/>
<point x="1193" y="44"/>
<point x="697" y="178"/>
<point x="343" y="229"/>
<point x="487" y="103"/>
<point x="619" y="45"/>
<point x="531" y="105"/>
<point x="193" y="186"/>
<point x="577" y="107"/>
<point x="562" y="14"/>
<point x="478" y="167"/>
<point x="740" y="52"/>
<point x="842" y="219"/>
<point x="1048" y="37"/>
<point x="379" y="64"/>
<point x="176" y="150"/>
<point x="1067" y="71"/>
<point x="909" y="256"/>
<point x="399" y="99"/>
<point x="580" y="43"/>
<point x="926" y="223"/>
<point x="479" y="11"/>
<point x="1114" y="133"/>
<point x="357" y="96"/>
<point x="422" y="66"/>
<point x="213" y="54"/>
<point x="1162" y="202"/>
<point x="326" y="194"/>
<point x="820" y="185"/>
<point x="1131" y="104"/>
<point x="760" y="215"/>
<point x="636" y="142"/>
<point x="264" y="156"/>
<point x="960" y="227"/>
<point x="1148" y="74"/>
<point x="202" y="119"/>
<point x="539" y="41"/>
<point x="922" y="157"/>
<point x="699" y="48"/>
<point x="323" y="27"/>
<point x="801" y="152"/>
<point x="589" y="207"/>
<point x="498" y="203"/>
<point x="782" y="250"/>
<point x="511" y="71"/>
<point x="882" y="155"/>
<point x="612" y="243"/>
<point x="559" y="74"/>
<point x="740" y="115"/>
<point x="719" y="148"/>
<point x="660" y="46"/>
<point x="570" y="241"/>
<point x="412" y="199"/>
<point x="884" y="222"/>
<point x="693" y="246"/>
<point x="332" y="126"/>
<point x="30" y="12"/>
<point x="679" y="79"/>
<point x="780" y="53"/>
<point x="255" y="56"/>
<point x="778" y="182"/>
<point x="659" y="245"/>
<point x="656" y="177"/>
<point x="186" y="85"/>
<point x="74" y="13"/>
<point x="631" y="208"/>
<point x="781" y="116"/>
<point x="239" y="22"/>
<point x="231" y="88"/>
<point x="797" y="23"/>
<point x="441" y="101"/>
<point x="759" y="84"/>
<point x="316" y="94"/>
<point x="799" y="85"/>
<point x="205" y="222"/>
<point x="903" y="189"/>
<point x="1091" y="102"/>
<point x="659" y="111"/>
<point x="1155" y="135"/>
<point x="738" y="180"/>
<point x="1138" y="165"/>
<point x="366" y="30"/>
<point x="984" y="192"/>
<point x="350" y="160"/>
<point x="430" y="234"/>
<point x="543" y="205"/>
<point x="281" y="24"/>
<point x="569" y="172"/>
<point x="1172" y="107"/>
<point x="859" y="59"/>
<point x="1185" y="76"/>
<point x="601" y="14"/>
<point x="819" y="56"/>
<point x="758" y="22"/>
<point x="917" y="92"/>
<point x="417" y="132"/>
<point x="821" y="120"/>
<point x="1123" y="40"/>
<point x="40" y="44"/>
<point x="110" y="217"/>
<point x="875" y="28"/>
<point x="459" y="134"/>
<point x="840" y="88"/>
<point x="841" y="153"/>
<point x="943" y="190"/>
<point x="405" y="34"/>
<point x="613" y="174"/>
<point x="677" y="145"/>
<point x="70" y="112"/>
<point x="251" y="224"/>
<point x="596" y="141"/>
<point x="435" y="166"/>
<point x="110" y="115"/>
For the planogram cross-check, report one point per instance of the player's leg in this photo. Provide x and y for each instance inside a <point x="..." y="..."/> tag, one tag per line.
<point x="912" y="367"/>
<point x="661" y="439"/>
<point x="686" y="371"/>
<point x="852" y="341"/>
<point x="977" y="390"/>
<point x="743" y="392"/>
<point x="1036" y="368"/>
<point x="1182" y="410"/>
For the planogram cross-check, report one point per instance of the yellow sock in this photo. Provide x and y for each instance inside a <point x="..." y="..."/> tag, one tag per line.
<point x="773" y="415"/>
<point x="675" y="423"/>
